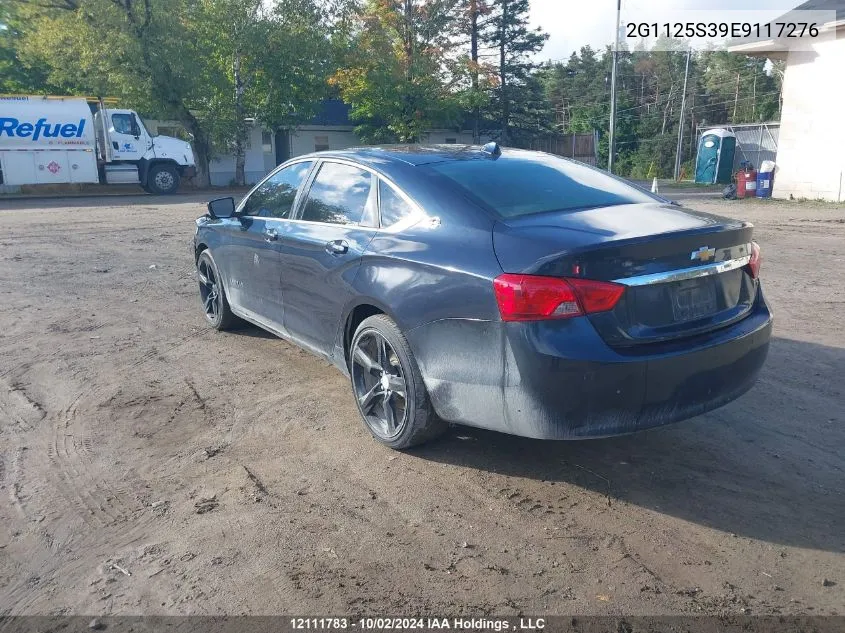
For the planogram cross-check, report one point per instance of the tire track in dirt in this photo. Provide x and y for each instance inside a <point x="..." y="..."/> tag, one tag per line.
<point x="19" y="412"/>
<point x="68" y="473"/>
<point x="113" y="516"/>
<point x="335" y="530"/>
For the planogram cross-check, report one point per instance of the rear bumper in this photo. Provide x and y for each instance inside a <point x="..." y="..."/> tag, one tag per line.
<point x="189" y="172"/>
<point x="559" y="380"/>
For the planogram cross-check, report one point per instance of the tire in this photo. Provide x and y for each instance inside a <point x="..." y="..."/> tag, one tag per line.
<point x="375" y="394"/>
<point x="162" y="178"/>
<point x="218" y="314"/>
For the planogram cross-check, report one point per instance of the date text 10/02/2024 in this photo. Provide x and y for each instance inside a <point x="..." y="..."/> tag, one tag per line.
<point x="406" y="624"/>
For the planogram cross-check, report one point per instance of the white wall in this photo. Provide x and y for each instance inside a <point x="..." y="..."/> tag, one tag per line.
<point x="811" y="147"/>
<point x="222" y="168"/>
<point x="303" y="140"/>
<point x="441" y="136"/>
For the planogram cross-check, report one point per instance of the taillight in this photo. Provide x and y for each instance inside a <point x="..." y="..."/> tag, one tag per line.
<point x="534" y="298"/>
<point x="754" y="263"/>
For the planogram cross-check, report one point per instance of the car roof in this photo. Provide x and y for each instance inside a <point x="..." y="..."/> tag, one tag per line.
<point x="383" y="155"/>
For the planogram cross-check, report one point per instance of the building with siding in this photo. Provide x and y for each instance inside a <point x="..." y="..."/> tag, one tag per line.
<point x="331" y="128"/>
<point x="811" y="146"/>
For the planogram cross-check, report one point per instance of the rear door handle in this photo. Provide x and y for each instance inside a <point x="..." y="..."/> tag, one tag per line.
<point x="271" y="235"/>
<point x="337" y="247"/>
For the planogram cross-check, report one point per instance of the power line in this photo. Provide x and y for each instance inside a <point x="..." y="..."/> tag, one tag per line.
<point x="703" y="105"/>
<point x="663" y="102"/>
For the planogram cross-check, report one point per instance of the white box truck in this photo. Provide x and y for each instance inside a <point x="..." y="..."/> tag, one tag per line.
<point x="46" y="140"/>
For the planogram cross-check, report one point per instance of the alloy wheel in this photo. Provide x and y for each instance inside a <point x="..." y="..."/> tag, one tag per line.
<point x="209" y="290"/>
<point x="379" y="384"/>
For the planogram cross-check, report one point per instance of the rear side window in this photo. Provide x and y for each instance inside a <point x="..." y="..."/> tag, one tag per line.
<point x="392" y="206"/>
<point x="274" y="198"/>
<point x="523" y="185"/>
<point x="339" y="195"/>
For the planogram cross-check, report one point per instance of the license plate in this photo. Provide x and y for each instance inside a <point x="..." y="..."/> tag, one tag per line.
<point x="693" y="300"/>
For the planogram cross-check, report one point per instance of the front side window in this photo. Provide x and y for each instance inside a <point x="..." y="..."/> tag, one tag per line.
<point x="340" y="194"/>
<point x="392" y="206"/>
<point x="274" y="197"/>
<point x="122" y="123"/>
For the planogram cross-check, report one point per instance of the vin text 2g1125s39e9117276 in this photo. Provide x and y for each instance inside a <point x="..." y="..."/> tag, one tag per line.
<point x="504" y="289"/>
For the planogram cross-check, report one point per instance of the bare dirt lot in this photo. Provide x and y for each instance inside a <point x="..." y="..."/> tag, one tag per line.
<point x="149" y="465"/>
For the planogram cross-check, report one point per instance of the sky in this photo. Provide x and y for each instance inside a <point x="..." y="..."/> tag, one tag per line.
<point x="572" y="24"/>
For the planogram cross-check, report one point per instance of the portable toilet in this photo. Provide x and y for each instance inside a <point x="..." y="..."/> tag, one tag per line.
<point x="714" y="163"/>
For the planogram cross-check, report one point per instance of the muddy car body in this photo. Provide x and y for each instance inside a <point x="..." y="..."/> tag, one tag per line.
<point x="510" y="290"/>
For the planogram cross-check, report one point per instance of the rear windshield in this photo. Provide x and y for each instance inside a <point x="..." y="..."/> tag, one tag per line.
<point x="522" y="185"/>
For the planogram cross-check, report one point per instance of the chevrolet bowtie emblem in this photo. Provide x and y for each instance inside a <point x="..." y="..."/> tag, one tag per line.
<point x="703" y="254"/>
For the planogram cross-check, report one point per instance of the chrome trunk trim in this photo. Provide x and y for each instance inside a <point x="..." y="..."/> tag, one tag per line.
<point x="715" y="268"/>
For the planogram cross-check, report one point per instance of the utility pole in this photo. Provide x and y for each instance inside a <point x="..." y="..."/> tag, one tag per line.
<point x="736" y="99"/>
<point x="473" y="30"/>
<point x="612" y="140"/>
<point x="754" y="97"/>
<point x="681" y="126"/>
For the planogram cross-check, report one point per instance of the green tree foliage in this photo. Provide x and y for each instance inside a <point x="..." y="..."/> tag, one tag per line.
<point x="265" y="62"/>
<point x="396" y="78"/>
<point x="405" y="66"/>
<point x="210" y="64"/>
<point x="517" y="100"/>
<point x="19" y="76"/>
<point x="480" y="76"/>
<point x="723" y="88"/>
<point x="151" y="59"/>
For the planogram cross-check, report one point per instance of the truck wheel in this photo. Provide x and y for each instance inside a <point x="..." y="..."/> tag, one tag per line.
<point x="162" y="179"/>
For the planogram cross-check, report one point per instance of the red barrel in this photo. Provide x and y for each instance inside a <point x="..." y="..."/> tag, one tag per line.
<point x="746" y="183"/>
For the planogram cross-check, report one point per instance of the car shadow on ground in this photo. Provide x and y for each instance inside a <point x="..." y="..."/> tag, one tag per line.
<point x="252" y="331"/>
<point x="769" y="466"/>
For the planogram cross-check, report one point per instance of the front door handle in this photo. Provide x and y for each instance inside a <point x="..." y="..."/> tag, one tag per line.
<point x="271" y="235"/>
<point x="337" y="247"/>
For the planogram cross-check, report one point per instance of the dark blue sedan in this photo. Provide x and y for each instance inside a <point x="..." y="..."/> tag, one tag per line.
<point x="510" y="290"/>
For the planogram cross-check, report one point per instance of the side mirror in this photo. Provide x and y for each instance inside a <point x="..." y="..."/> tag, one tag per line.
<point x="221" y="208"/>
<point x="136" y="127"/>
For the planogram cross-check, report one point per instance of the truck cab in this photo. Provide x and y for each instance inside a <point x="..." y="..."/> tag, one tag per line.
<point x="131" y="154"/>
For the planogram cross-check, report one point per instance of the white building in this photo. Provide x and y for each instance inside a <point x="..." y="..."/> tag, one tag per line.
<point x="329" y="129"/>
<point x="811" y="147"/>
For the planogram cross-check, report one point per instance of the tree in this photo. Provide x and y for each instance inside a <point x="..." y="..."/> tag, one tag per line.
<point x="396" y="75"/>
<point x="472" y="16"/>
<point x="211" y="64"/>
<point x="507" y="32"/>
<point x="271" y="62"/>
<point x="16" y="75"/>
<point x="150" y="59"/>
<point x="738" y="88"/>
<point x="296" y="61"/>
<point x="234" y="30"/>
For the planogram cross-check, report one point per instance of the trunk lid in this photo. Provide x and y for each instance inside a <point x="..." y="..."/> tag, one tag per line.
<point x="637" y="245"/>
